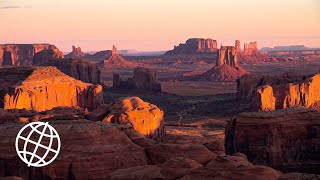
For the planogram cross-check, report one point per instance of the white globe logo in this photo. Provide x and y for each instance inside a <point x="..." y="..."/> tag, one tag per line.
<point x="38" y="144"/>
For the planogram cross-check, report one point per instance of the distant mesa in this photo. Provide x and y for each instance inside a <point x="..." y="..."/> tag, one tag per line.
<point x="21" y="54"/>
<point x="227" y="67"/>
<point x="251" y="53"/>
<point x="143" y="79"/>
<point x="76" y="53"/>
<point x="194" y="46"/>
<point x="116" y="61"/>
<point x="43" y="88"/>
<point x="288" y="48"/>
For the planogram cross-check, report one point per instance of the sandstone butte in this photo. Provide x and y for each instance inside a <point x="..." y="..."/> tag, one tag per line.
<point x="76" y="53"/>
<point x="195" y="45"/>
<point x="227" y="67"/>
<point x="143" y="116"/>
<point x="76" y="68"/>
<point x="280" y="92"/>
<point x="284" y="139"/>
<point x="22" y="54"/>
<point x="116" y="61"/>
<point x="143" y="79"/>
<point x="43" y="88"/>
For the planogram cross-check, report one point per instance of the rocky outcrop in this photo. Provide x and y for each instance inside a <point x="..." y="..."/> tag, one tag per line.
<point x="226" y="69"/>
<point x="43" y="88"/>
<point x="251" y="49"/>
<point x="280" y="94"/>
<point x="287" y="139"/>
<point x="146" y="118"/>
<point x="90" y="150"/>
<point x="21" y="54"/>
<point x="246" y="84"/>
<point x="75" y="53"/>
<point x="143" y="79"/>
<point x="194" y="46"/>
<point x="116" y="61"/>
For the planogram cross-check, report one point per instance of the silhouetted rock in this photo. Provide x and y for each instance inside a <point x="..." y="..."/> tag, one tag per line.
<point x="43" y="88"/>
<point x="284" y="139"/>
<point x="195" y="45"/>
<point x="44" y="56"/>
<point x="146" y="118"/>
<point x="143" y="78"/>
<point x="75" y="53"/>
<point x="21" y="54"/>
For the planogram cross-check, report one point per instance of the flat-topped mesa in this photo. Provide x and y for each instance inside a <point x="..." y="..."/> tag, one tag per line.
<point x="76" y="68"/>
<point x="251" y="49"/>
<point x="143" y="78"/>
<point x="21" y="54"/>
<point x="195" y="45"/>
<point x="227" y="55"/>
<point x="285" y="139"/>
<point x="75" y="53"/>
<point x="43" y="88"/>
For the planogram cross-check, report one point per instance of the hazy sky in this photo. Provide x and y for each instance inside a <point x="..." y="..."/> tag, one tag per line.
<point x="158" y="24"/>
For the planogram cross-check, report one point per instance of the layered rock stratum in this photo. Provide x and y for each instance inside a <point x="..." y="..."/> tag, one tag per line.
<point x="285" y="139"/>
<point x="21" y="54"/>
<point x="43" y="88"/>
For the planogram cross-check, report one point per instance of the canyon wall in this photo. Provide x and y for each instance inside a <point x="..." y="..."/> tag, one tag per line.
<point x="21" y="54"/>
<point x="286" y="139"/>
<point x="43" y="88"/>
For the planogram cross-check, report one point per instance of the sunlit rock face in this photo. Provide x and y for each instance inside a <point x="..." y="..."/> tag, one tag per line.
<point x="195" y="45"/>
<point x="115" y="60"/>
<point x="251" y="49"/>
<point x="286" y="139"/>
<point x="43" y="88"/>
<point x="76" y="68"/>
<point x="143" y="116"/>
<point x="305" y="93"/>
<point x="21" y="54"/>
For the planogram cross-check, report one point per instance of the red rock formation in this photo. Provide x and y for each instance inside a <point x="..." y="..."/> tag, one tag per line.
<point x="237" y="46"/>
<point x="195" y="45"/>
<point x="21" y="54"/>
<point x="76" y="68"/>
<point x="263" y="99"/>
<point x="75" y="53"/>
<point x="43" y="88"/>
<point x="143" y="78"/>
<point x="248" y="83"/>
<point x="90" y="150"/>
<point x="116" y="61"/>
<point x="45" y="55"/>
<point x="251" y="49"/>
<point x="146" y="118"/>
<point x="284" y="139"/>
<point x="226" y="69"/>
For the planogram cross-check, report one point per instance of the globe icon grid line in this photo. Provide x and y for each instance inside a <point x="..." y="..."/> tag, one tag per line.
<point x="53" y="134"/>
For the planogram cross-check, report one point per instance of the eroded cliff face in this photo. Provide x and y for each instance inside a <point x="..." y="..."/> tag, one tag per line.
<point x="145" y="118"/>
<point x="43" y="88"/>
<point x="76" y="68"/>
<point x="21" y="54"/>
<point x="285" y="139"/>
<point x="76" y="53"/>
<point x="304" y="94"/>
